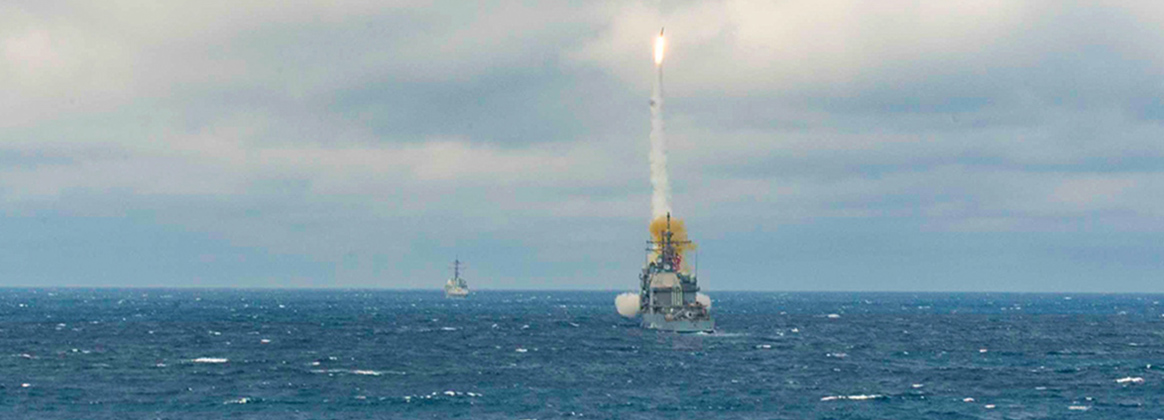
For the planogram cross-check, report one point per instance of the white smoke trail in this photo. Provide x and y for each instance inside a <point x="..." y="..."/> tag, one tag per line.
<point x="627" y="304"/>
<point x="661" y="187"/>
<point x="703" y="299"/>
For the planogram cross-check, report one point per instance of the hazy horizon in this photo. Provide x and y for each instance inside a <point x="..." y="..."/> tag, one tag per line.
<point x="613" y="292"/>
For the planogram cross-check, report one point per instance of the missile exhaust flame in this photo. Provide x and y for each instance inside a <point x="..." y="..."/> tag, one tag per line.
<point x="660" y="44"/>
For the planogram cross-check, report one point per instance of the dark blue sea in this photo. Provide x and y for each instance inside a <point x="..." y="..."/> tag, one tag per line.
<point x="352" y="354"/>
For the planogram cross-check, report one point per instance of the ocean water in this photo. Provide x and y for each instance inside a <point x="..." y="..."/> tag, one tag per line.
<point x="326" y="354"/>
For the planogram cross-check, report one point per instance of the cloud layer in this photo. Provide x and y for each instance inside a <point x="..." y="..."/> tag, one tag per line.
<point x="813" y="145"/>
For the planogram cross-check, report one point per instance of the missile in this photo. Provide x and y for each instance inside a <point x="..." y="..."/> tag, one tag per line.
<point x="661" y="30"/>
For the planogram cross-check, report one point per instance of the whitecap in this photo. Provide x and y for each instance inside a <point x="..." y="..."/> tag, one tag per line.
<point x="448" y="328"/>
<point x="852" y="397"/>
<point x="450" y="393"/>
<point x="967" y="399"/>
<point x="1079" y="407"/>
<point x="242" y="400"/>
<point x="833" y="316"/>
<point x="764" y="346"/>
<point x="989" y="406"/>
<point x="916" y="386"/>
<point x="265" y="341"/>
<point x="521" y="350"/>
<point x="366" y="372"/>
<point x="1135" y="380"/>
<point x="25" y="385"/>
<point x="210" y="360"/>
<point x="720" y="334"/>
<point x="837" y="355"/>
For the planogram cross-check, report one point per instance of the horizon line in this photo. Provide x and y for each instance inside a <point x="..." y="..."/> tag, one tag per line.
<point x="437" y="290"/>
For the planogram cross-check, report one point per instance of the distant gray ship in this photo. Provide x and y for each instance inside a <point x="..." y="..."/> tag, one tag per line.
<point x="456" y="287"/>
<point x="667" y="296"/>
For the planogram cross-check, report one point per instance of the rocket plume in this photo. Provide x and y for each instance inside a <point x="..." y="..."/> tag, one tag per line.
<point x="660" y="186"/>
<point x="678" y="233"/>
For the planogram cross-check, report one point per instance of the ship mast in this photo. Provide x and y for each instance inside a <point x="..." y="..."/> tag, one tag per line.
<point x="665" y="247"/>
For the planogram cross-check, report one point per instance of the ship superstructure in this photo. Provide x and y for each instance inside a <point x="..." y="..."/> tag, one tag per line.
<point x="456" y="287"/>
<point x="668" y="295"/>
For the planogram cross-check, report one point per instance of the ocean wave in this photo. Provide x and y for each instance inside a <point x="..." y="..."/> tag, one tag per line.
<point x="364" y="372"/>
<point x="242" y="400"/>
<point x="1129" y="379"/>
<point x="210" y="360"/>
<point x="719" y="334"/>
<point x="441" y="394"/>
<point x="852" y="397"/>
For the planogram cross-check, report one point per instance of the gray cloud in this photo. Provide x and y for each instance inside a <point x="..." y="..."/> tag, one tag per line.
<point x="360" y="144"/>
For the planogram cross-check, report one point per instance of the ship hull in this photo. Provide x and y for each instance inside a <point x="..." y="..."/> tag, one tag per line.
<point x="660" y="322"/>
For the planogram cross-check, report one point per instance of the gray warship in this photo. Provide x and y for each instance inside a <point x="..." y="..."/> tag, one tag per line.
<point x="667" y="295"/>
<point x="456" y="286"/>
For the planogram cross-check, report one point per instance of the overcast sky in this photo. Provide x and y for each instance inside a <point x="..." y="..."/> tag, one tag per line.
<point x="814" y="145"/>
